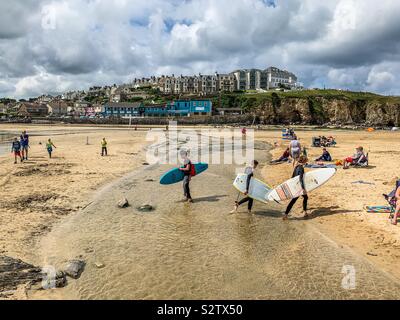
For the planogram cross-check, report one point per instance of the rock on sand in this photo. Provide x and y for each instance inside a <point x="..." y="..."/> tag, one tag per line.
<point x="74" y="268"/>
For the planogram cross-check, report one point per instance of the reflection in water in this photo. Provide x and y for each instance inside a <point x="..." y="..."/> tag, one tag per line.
<point x="5" y="142"/>
<point x="199" y="251"/>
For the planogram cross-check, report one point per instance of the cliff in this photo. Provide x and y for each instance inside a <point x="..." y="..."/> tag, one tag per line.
<point x="318" y="107"/>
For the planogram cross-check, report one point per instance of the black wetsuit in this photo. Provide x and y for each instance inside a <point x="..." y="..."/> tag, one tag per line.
<point x="186" y="180"/>
<point x="298" y="171"/>
<point x="248" y="199"/>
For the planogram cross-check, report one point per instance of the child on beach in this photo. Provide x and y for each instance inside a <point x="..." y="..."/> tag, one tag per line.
<point x="49" y="147"/>
<point x="250" y="174"/>
<point x="187" y="171"/>
<point x="299" y="171"/>
<point x="24" y="145"/>
<point x="16" y="149"/>
<point x="104" y="147"/>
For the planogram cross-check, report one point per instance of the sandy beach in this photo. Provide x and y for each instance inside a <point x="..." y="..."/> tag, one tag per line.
<point x="41" y="193"/>
<point x="338" y="208"/>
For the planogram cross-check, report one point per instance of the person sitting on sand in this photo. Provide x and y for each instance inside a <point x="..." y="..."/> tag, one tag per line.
<point x="24" y="145"/>
<point x="250" y="174"/>
<point x="187" y="171"/>
<point x="284" y="158"/>
<point x="354" y="159"/>
<point x="299" y="171"/>
<point x="16" y="149"/>
<point x="326" y="156"/>
<point x="397" y="211"/>
<point x="49" y="147"/>
<point x="295" y="150"/>
<point x="104" y="147"/>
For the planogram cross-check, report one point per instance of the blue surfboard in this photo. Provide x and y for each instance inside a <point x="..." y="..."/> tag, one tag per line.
<point x="176" y="175"/>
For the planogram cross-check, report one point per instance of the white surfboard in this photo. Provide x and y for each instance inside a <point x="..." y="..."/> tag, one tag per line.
<point x="258" y="190"/>
<point x="292" y="188"/>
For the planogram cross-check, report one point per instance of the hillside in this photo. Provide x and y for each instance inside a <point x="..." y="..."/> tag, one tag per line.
<point x="316" y="107"/>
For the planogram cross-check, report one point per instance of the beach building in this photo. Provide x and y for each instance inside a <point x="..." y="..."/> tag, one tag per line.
<point x="177" y="108"/>
<point x="27" y="109"/>
<point x="123" y="109"/>
<point x="188" y="108"/>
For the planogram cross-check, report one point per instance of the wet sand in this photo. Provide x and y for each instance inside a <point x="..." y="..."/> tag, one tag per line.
<point x="42" y="191"/>
<point x="200" y="251"/>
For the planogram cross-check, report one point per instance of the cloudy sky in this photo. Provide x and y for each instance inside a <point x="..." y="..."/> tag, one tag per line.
<point x="55" y="46"/>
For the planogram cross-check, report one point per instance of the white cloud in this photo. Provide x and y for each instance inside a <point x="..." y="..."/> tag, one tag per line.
<point x="338" y="43"/>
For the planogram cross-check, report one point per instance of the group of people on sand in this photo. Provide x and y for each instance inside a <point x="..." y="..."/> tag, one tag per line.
<point x="20" y="147"/>
<point x="298" y="171"/>
<point x="299" y="157"/>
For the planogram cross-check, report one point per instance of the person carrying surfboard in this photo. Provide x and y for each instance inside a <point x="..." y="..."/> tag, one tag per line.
<point x="299" y="171"/>
<point x="188" y="171"/>
<point x="250" y="174"/>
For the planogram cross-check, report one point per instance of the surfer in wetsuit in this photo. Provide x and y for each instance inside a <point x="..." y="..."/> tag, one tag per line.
<point x="187" y="171"/>
<point x="299" y="171"/>
<point x="250" y="174"/>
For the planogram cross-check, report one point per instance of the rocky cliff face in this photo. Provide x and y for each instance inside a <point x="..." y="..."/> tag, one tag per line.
<point x="320" y="111"/>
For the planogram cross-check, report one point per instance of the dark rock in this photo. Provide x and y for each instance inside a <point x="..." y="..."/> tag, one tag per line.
<point x="15" y="272"/>
<point x="60" y="281"/>
<point x="123" y="203"/>
<point x="146" y="163"/>
<point x="74" y="268"/>
<point x="146" y="208"/>
<point x="372" y="254"/>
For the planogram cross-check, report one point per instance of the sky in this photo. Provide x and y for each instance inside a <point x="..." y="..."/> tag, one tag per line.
<point x="49" y="47"/>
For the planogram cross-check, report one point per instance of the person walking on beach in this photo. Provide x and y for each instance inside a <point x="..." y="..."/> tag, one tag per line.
<point x="24" y="145"/>
<point x="49" y="147"/>
<point x="104" y="147"/>
<point x="295" y="150"/>
<point x="188" y="169"/>
<point x="299" y="171"/>
<point x="16" y="149"/>
<point x="397" y="211"/>
<point x="250" y="174"/>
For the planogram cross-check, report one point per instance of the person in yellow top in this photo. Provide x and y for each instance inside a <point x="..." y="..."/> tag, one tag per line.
<point x="104" y="147"/>
<point x="49" y="147"/>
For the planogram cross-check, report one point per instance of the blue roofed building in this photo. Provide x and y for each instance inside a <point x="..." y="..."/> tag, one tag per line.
<point x="177" y="108"/>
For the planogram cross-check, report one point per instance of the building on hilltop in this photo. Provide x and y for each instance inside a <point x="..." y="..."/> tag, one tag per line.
<point x="271" y="78"/>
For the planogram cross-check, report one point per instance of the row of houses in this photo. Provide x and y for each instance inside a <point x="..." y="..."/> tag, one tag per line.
<point x="177" y="108"/>
<point x="239" y="80"/>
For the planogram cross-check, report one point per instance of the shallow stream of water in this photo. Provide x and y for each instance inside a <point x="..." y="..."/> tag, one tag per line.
<point x="200" y="251"/>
